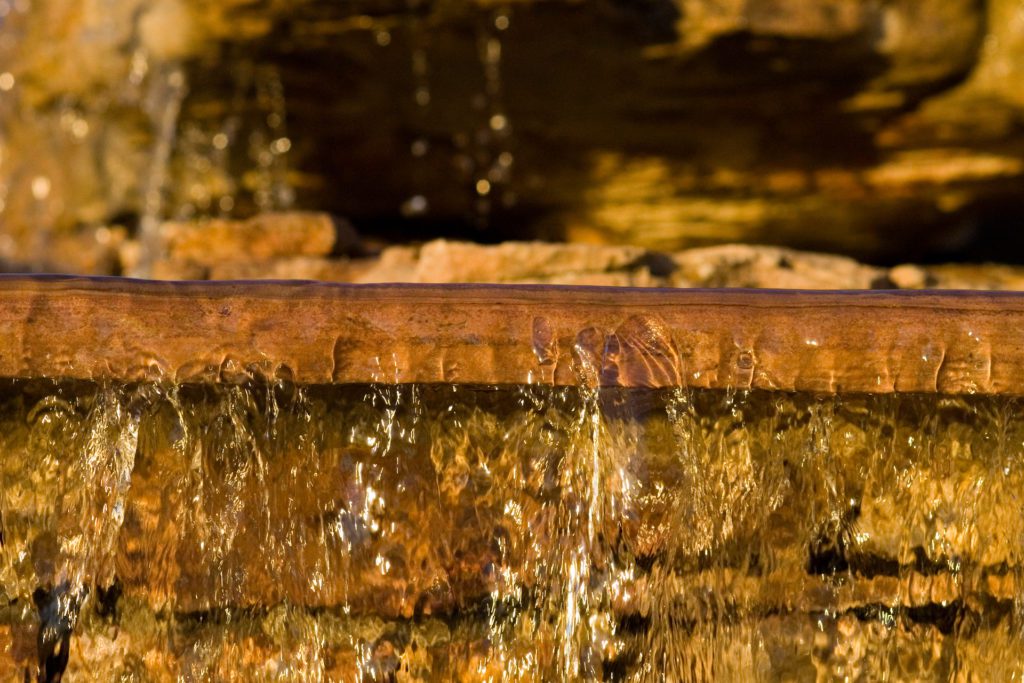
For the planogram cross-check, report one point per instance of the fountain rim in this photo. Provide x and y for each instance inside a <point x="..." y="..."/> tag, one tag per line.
<point x="826" y="341"/>
<point x="269" y="288"/>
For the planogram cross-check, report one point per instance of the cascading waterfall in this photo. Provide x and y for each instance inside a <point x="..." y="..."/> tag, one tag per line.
<point x="419" y="532"/>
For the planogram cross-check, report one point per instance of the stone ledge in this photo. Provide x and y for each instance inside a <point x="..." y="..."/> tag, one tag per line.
<point x="315" y="333"/>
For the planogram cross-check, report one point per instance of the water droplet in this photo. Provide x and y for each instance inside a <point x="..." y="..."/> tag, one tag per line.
<point x="492" y="51"/>
<point x="498" y="122"/>
<point x="419" y="147"/>
<point x="80" y="128"/>
<point x="41" y="187"/>
<point x="6" y="80"/>
<point x="415" y="206"/>
<point x="483" y="187"/>
<point x="383" y="38"/>
<point x="281" y="145"/>
<point x="497" y="174"/>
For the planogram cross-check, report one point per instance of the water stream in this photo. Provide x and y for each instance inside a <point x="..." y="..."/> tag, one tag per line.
<point x="388" y="532"/>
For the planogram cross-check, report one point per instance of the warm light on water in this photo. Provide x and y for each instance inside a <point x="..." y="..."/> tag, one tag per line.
<point x="525" y="533"/>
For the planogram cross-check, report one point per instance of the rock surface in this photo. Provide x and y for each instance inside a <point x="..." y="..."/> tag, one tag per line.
<point x="886" y="131"/>
<point x="315" y="246"/>
<point x="284" y="246"/>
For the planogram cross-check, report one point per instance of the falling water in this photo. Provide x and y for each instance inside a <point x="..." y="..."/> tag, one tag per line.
<point x="493" y="158"/>
<point x="164" y="96"/>
<point x="484" y="157"/>
<point x="388" y="532"/>
<point x="269" y="144"/>
<point x="235" y="160"/>
<point x="418" y="204"/>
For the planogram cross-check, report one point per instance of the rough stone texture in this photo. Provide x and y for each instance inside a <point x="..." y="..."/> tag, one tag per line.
<point x="442" y="261"/>
<point x="263" y="238"/>
<point x="882" y="130"/>
<point x="312" y="246"/>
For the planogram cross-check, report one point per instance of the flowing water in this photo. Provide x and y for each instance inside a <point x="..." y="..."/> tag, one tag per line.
<point x="272" y="532"/>
<point x="269" y="532"/>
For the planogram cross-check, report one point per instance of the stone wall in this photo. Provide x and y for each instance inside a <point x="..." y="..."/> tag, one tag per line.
<point x="885" y="130"/>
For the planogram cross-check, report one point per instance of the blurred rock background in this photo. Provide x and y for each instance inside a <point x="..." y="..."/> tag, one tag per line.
<point x="887" y="131"/>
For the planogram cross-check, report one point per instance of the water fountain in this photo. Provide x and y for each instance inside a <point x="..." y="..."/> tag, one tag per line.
<point x="298" y="481"/>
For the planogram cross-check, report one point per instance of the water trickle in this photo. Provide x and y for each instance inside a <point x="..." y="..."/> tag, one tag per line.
<point x="418" y="204"/>
<point x="484" y="155"/>
<point x="235" y="160"/>
<point x="162" y="103"/>
<point x="269" y="144"/>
